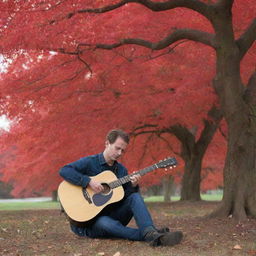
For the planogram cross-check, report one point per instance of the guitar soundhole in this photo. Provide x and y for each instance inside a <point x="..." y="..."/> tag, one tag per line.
<point x="106" y="189"/>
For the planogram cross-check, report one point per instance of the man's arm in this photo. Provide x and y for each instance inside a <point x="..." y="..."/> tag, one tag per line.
<point x="75" y="172"/>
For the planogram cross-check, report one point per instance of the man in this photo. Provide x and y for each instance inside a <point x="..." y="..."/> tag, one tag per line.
<point x="112" y="220"/>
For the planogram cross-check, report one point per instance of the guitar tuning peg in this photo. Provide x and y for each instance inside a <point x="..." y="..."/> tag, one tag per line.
<point x="174" y="166"/>
<point x="165" y="169"/>
<point x="171" y="167"/>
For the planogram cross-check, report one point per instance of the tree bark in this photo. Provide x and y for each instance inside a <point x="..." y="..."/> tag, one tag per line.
<point x="191" y="180"/>
<point x="54" y="196"/>
<point x="167" y="187"/>
<point x="239" y="199"/>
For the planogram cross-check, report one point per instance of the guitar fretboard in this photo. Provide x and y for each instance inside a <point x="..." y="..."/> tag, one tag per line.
<point x="127" y="178"/>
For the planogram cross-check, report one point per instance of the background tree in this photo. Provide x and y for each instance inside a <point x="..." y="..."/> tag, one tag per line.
<point x="229" y="41"/>
<point x="236" y="102"/>
<point x="45" y="117"/>
<point x="50" y="103"/>
<point x="192" y="150"/>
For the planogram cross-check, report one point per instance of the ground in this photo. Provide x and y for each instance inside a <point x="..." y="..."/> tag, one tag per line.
<point x="46" y="232"/>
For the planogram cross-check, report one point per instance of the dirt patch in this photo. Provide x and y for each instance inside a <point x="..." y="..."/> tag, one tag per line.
<point x="46" y="232"/>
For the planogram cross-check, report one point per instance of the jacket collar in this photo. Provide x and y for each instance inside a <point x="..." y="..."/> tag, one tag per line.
<point x="103" y="161"/>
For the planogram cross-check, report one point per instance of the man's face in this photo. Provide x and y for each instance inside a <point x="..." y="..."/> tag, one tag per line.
<point x="115" y="150"/>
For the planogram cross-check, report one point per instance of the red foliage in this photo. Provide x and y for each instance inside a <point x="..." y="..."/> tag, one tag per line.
<point x="63" y="111"/>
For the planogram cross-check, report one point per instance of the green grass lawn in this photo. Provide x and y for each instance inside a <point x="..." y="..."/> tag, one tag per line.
<point x="15" y="206"/>
<point x="206" y="197"/>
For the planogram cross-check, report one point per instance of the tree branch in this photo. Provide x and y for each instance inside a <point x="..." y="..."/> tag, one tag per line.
<point x="78" y="53"/>
<point x="195" y="5"/>
<point x="179" y="34"/>
<point x="227" y="4"/>
<point x="210" y="127"/>
<point x="186" y="138"/>
<point x="247" y="38"/>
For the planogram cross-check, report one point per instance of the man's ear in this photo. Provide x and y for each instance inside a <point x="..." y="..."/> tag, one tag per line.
<point x="107" y="143"/>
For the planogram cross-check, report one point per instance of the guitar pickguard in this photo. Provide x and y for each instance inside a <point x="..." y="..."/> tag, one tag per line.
<point x="101" y="199"/>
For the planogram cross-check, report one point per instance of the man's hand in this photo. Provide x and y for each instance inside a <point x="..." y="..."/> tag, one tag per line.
<point x="96" y="186"/>
<point x="135" y="179"/>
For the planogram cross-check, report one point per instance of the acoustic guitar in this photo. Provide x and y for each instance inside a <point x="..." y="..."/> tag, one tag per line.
<point x="83" y="204"/>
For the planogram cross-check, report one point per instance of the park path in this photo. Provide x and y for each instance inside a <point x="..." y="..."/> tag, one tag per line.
<point x="31" y="199"/>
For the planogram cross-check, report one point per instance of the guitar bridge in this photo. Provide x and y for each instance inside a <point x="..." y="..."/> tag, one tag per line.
<point x="87" y="196"/>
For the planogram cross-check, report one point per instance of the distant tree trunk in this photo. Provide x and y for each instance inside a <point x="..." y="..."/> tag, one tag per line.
<point x="191" y="180"/>
<point x="193" y="152"/>
<point x="54" y="196"/>
<point x="167" y="187"/>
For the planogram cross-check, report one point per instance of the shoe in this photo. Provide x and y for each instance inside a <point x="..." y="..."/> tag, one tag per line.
<point x="156" y="238"/>
<point x="152" y="237"/>
<point x="170" y="238"/>
<point x="163" y="230"/>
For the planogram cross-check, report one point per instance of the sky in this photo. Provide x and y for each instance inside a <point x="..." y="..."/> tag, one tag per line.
<point x="4" y="123"/>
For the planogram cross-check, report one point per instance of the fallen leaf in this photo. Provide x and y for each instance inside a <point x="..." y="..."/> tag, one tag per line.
<point x="253" y="252"/>
<point x="237" y="247"/>
<point x="101" y="253"/>
<point x="117" y="254"/>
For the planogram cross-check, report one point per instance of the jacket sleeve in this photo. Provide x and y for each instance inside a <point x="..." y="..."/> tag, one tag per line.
<point x="75" y="172"/>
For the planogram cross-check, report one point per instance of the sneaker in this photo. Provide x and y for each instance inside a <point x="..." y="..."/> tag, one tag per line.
<point x="170" y="238"/>
<point x="163" y="230"/>
<point x="152" y="237"/>
<point x="163" y="239"/>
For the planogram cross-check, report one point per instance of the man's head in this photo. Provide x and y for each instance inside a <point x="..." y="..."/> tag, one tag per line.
<point x="116" y="143"/>
<point x="114" y="134"/>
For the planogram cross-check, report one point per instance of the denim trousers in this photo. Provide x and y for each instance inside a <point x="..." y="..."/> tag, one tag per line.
<point x="115" y="224"/>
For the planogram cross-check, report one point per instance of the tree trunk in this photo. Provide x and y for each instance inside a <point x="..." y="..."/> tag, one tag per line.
<point x="54" y="196"/>
<point x="239" y="198"/>
<point x="191" y="180"/>
<point x="167" y="187"/>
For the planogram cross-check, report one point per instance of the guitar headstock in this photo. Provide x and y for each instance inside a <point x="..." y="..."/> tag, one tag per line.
<point x="170" y="162"/>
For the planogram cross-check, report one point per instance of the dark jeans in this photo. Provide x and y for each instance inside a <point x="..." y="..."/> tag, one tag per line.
<point x="114" y="225"/>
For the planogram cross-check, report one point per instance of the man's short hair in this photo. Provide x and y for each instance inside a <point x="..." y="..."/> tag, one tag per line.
<point x="115" y="133"/>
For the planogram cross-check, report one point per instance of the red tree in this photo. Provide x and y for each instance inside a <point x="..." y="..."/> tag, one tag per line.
<point x="237" y="103"/>
<point x="51" y="116"/>
<point x="48" y="30"/>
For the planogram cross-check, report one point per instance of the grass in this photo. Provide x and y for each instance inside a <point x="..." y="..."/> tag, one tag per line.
<point x="206" y="197"/>
<point x="16" y="206"/>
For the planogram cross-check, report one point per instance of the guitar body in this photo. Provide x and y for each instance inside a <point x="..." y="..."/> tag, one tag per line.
<point x="83" y="204"/>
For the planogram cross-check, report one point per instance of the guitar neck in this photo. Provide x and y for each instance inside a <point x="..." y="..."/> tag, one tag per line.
<point x="127" y="178"/>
